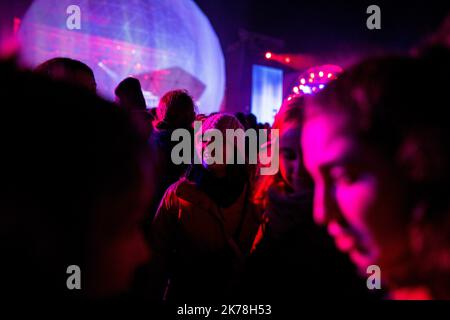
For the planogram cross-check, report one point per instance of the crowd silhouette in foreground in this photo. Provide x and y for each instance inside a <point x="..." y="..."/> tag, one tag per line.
<point x="363" y="180"/>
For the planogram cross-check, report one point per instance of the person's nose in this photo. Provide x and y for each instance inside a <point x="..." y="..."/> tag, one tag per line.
<point x="324" y="206"/>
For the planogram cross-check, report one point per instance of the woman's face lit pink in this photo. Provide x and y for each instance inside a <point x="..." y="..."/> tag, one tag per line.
<point x="292" y="169"/>
<point x="358" y="194"/>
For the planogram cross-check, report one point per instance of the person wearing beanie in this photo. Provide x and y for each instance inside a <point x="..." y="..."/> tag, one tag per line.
<point x="204" y="227"/>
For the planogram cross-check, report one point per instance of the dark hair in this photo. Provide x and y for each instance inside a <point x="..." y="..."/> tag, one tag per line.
<point x="398" y="105"/>
<point x="251" y="120"/>
<point x="241" y="117"/>
<point x="70" y="68"/>
<point x="175" y="110"/>
<point x="64" y="152"/>
<point x="130" y="94"/>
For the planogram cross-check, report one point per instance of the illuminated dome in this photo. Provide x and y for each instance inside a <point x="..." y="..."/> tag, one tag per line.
<point x="167" y="44"/>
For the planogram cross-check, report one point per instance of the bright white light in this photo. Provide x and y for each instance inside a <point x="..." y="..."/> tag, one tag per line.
<point x="267" y="92"/>
<point x="307" y="90"/>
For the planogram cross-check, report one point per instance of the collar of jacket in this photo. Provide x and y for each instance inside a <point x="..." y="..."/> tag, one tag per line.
<point x="188" y="191"/>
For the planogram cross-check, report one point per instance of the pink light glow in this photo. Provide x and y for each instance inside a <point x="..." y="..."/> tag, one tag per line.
<point x="16" y="26"/>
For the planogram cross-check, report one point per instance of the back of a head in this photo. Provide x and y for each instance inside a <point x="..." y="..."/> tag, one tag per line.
<point x="251" y="120"/>
<point x="130" y="95"/>
<point x="68" y="70"/>
<point x="175" y="110"/>
<point x="65" y="151"/>
<point x="241" y="117"/>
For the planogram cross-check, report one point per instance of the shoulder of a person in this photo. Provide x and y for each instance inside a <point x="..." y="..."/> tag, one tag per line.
<point x="187" y="190"/>
<point x="183" y="189"/>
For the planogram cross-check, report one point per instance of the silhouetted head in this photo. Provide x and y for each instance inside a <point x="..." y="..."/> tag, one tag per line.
<point x="252" y="122"/>
<point x="241" y="117"/>
<point x="129" y="95"/>
<point x="68" y="70"/>
<point x="175" y="110"/>
<point x="76" y="184"/>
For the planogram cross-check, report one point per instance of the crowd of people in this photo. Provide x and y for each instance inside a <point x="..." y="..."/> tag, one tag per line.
<point x="362" y="180"/>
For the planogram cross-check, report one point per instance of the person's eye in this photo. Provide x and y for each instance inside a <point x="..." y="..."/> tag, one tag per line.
<point x="343" y="175"/>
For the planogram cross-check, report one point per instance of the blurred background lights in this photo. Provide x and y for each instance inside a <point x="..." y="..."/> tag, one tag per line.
<point x="178" y="53"/>
<point x="316" y="83"/>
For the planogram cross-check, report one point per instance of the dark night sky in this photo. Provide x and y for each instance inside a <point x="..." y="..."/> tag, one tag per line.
<point x="316" y="26"/>
<point x="320" y="26"/>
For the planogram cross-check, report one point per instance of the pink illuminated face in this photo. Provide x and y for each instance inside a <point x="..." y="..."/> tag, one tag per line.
<point x="358" y="195"/>
<point x="292" y="169"/>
